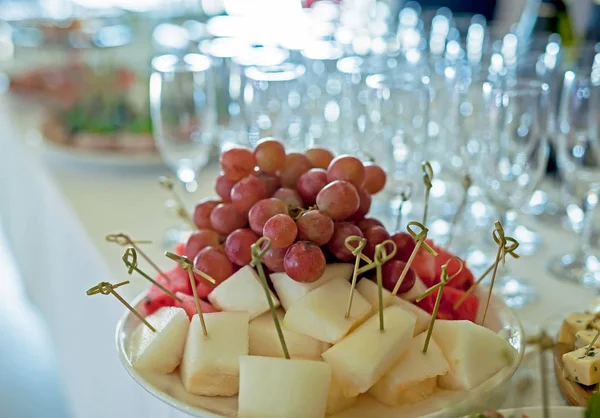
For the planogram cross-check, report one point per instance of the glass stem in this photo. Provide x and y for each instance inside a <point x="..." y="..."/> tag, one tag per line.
<point x="590" y="203"/>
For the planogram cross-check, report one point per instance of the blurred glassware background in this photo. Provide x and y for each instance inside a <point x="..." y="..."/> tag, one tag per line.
<point x="390" y="81"/>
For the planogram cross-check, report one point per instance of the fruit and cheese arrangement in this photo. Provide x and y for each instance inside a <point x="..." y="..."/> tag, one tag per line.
<point x="289" y="296"/>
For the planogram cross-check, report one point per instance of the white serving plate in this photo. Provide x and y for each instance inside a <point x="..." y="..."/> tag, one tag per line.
<point x="538" y="412"/>
<point x="443" y="403"/>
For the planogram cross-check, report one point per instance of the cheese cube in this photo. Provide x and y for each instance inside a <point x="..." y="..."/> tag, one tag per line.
<point x="336" y="401"/>
<point x="242" y="292"/>
<point x="574" y="322"/>
<point x="289" y="290"/>
<point x="210" y="364"/>
<point x="160" y="351"/>
<point x="264" y="340"/>
<point x="368" y="288"/>
<point x="414" y="377"/>
<point x="581" y="368"/>
<point x="275" y="388"/>
<point x="360" y="359"/>
<point x="585" y="338"/>
<point x="321" y="314"/>
<point x="474" y="353"/>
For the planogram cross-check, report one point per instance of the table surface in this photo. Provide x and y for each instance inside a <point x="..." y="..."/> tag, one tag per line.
<point x="55" y="215"/>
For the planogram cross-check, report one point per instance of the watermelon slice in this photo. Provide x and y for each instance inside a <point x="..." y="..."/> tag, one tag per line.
<point x="466" y="311"/>
<point x="179" y="248"/>
<point x="156" y="298"/>
<point x="188" y="304"/>
<point x="463" y="281"/>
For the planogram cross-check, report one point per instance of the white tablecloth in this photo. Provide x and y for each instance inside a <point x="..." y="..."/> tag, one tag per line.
<point x="56" y="214"/>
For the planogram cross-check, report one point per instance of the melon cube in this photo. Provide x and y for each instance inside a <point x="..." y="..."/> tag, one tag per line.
<point x="414" y="377"/>
<point x="242" y="292"/>
<point x="336" y="400"/>
<point x="275" y="388"/>
<point x="417" y="290"/>
<point x="160" y="351"/>
<point x="368" y="288"/>
<point x="364" y="356"/>
<point x="210" y="364"/>
<point x="264" y="340"/>
<point x="289" y="290"/>
<point x="321" y="314"/>
<point x="473" y="352"/>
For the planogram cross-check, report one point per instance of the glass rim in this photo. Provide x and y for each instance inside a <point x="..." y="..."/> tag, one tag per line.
<point x="380" y="81"/>
<point x="522" y="88"/>
<point x="171" y="63"/>
<point x="322" y="51"/>
<point x="283" y="72"/>
<point x="262" y="56"/>
<point x="223" y="47"/>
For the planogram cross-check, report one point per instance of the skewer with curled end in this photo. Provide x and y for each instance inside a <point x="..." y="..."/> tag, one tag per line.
<point x="106" y="288"/>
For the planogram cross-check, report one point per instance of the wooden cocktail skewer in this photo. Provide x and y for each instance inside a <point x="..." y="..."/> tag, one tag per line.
<point x="167" y="184"/>
<point x="106" y="288"/>
<point x="200" y="273"/>
<point x="444" y="279"/>
<point x="419" y="242"/>
<point x="125" y="240"/>
<point x="258" y="251"/>
<point x="356" y="252"/>
<point x="381" y="257"/>
<point x="130" y="260"/>
<point x="427" y="180"/>
<point x="186" y="264"/>
<point x="544" y="342"/>
<point x="500" y="239"/>
<point x="510" y="246"/>
<point x="466" y="186"/>
<point x="404" y="197"/>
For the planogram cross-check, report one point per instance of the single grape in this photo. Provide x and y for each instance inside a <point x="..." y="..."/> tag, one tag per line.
<point x="364" y="205"/>
<point x="404" y="245"/>
<point x="347" y="168"/>
<point x="310" y="184"/>
<point x="304" y="262"/>
<point x="289" y="196"/>
<point x="263" y="210"/>
<point x="273" y="259"/>
<point x="319" y="157"/>
<point x="337" y="243"/>
<point x="294" y="166"/>
<point x="200" y="240"/>
<point x="223" y="187"/>
<point x="374" y="178"/>
<point x="271" y="183"/>
<point x="202" y="212"/>
<point x="225" y="219"/>
<point x="237" y="246"/>
<point x="269" y="155"/>
<point x="367" y="223"/>
<point x="338" y="200"/>
<point x="213" y="262"/>
<point x="237" y="163"/>
<point x="375" y="235"/>
<point x="390" y="273"/>
<point x="315" y="226"/>
<point x="281" y="230"/>
<point x="246" y="193"/>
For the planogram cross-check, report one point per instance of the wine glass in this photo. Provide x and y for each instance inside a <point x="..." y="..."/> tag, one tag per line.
<point x="515" y="155"/>
<point x="579" y="164"/>
<point x="182" y="109"/>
